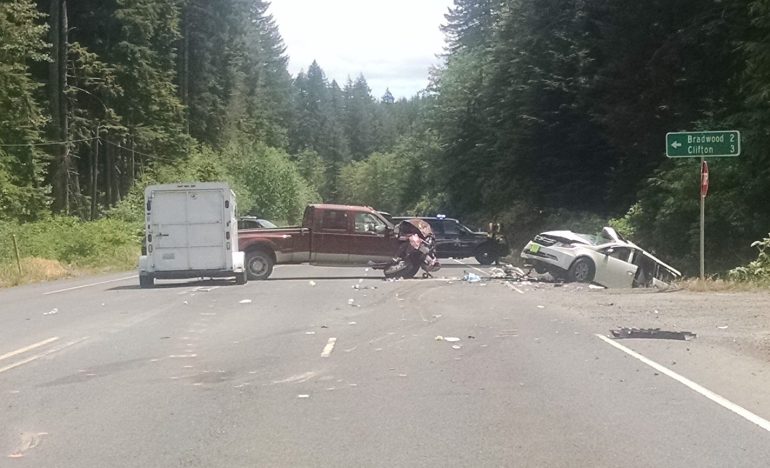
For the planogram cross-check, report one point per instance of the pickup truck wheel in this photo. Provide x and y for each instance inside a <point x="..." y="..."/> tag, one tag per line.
<point x="146" y="281"/>
<point x="259" y="265"/>
<point x="582" y="270"/>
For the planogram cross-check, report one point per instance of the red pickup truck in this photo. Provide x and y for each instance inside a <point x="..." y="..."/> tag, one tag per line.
<point x="340" y="235"/>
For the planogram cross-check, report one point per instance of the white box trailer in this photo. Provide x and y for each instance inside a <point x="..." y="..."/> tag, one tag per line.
<point x="191" y="231"/>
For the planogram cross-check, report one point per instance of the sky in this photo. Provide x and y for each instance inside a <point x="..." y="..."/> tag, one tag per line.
<point x="392" y="42"/>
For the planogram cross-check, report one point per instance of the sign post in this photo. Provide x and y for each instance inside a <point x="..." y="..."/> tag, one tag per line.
<point x="704" y="188"/>
<point x="723" y="143"/>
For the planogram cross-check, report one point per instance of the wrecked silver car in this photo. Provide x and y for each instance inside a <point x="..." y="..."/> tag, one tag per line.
<point x="607" y="259"/>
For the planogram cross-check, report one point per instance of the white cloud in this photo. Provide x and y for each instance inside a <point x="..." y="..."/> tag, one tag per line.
<point x="392" y="42"/>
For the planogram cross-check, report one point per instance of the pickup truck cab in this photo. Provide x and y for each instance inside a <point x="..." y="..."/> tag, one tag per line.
<point x="337" y="235"/>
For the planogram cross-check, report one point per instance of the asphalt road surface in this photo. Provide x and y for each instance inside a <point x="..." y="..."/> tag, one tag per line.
<point x="336" y="367"/>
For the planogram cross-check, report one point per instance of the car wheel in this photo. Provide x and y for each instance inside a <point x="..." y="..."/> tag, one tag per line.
<point x="540" y="269"/>
<point x="581" y="271"/>
<point x="259" y="265"/>
<point x="146" y="281"/>
<point x="485" y="257"/>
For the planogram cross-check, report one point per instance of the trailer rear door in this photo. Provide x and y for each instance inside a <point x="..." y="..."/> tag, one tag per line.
<point x="188" y="229"/>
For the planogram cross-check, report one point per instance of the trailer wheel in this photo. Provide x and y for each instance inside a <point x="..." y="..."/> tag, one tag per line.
<point x="146" y="281"/>
<point x="242" y="277"/>
<point x="259" y="265"/>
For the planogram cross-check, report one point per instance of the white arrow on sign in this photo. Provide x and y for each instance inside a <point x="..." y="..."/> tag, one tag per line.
<point x="676" y="145"/>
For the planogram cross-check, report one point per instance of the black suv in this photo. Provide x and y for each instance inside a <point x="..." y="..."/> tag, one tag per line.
<point x="454" y="240"/>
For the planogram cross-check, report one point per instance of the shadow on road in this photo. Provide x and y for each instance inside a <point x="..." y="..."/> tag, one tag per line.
<point x="161" y="284"/>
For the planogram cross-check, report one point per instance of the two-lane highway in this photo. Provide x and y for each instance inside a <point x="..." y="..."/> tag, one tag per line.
<point x="336" y="367"/>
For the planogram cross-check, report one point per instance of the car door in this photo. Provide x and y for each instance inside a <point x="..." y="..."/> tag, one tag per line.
<point x="614" y="268"/>
<point x="371" y="240"/>
<point x="331" y="237"/>
<point x="445" y="247"/>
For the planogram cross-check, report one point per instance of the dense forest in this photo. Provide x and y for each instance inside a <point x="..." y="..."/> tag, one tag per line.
<point x="543" y="114"/>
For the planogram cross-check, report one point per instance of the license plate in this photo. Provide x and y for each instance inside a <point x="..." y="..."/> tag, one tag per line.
<point x="534" y="248"/>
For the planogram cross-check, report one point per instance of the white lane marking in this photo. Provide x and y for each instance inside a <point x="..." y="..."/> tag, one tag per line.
<point x="89" y="285"/>
<point x="28" y="348"/>
<point x="299" y="378"/>
<point x="177" y="356"/>
<point x="718" y="399"/>
<point x="38" y="356"/>
<point x="507" y="283"/>
<point x="329" y="347"/>
<point x="471" y="266"/>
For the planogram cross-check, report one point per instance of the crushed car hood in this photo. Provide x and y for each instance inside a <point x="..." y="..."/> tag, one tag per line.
<point x="568" y="236"/>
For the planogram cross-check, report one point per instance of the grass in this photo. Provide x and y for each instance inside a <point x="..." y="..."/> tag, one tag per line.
<point x="61" y="247"/>
<point x="722" y="285"/>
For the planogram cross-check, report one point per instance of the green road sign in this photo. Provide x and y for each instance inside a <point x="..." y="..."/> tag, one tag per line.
<point x="703" y="144"/>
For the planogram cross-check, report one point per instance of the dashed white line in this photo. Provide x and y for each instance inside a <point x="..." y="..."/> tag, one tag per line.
<point x="89" y="285"/>
<point x="28" y="348"/>
<point x="718" y="399"/>
<point x="38" y="356"/>
<point x="329" y="347"/>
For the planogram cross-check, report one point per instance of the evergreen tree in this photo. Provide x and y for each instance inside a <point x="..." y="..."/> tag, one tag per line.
<point x="23" y="195"/>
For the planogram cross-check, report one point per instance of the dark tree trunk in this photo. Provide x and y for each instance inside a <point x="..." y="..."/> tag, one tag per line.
<point x="60" y="124"/>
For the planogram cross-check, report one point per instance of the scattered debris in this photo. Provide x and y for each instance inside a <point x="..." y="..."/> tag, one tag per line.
<point x="471" y="277"/>
<point x="244" y="301"/>
<point x="439" y="338"/>
<point x="656" y="333"/>
<point x="352" y="323"/>
<point x="303" y="395"/>
<point x="595" y="286"/>
<point x="309" y="333"/>
<point x="541" y="307"/>
<point x="324" y="326"/>
<point x="53" y="311"/>
<point x="452" y="339"/>
<point x="312" y="283"/>
<point x="352" y="303"/>
<point x="456" y="347"/>
<point x="471" y="337"/>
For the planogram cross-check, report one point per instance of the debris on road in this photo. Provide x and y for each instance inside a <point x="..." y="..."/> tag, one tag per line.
<point x="312" y="283"/>
<point x="655" y="333"/>
<point x="303" y="396"/>
<point x="352" y="303"/>
<point x="439" y="338"/>
<point x="452" y="339"/>
<point x="53" y="311"/>
<point x="309" y="333"/>
<point x="456" y="347"/>
<point x="244" y="301"/>
<point x="595" y="286"/>
<point x="471" y="277"/>
<point x="722" y="327"/>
